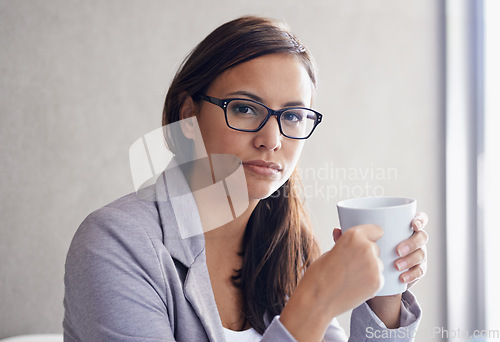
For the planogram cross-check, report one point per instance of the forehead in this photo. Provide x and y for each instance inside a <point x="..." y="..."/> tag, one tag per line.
<point x="276" y="79"/>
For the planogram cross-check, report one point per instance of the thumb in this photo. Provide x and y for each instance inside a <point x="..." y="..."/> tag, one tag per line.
<point x="337" y="233"/>
<point x="371" y="231"/>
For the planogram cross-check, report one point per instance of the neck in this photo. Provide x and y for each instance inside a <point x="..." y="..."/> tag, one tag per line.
<point x="215" y="210"/>
<point x="230" y="235"/>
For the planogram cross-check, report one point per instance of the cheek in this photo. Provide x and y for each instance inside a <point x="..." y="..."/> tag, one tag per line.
<point x="292" y="155"/>
<point x="294" y="152"/>
<point x="213" y="134"/>
<point x="224" y="140"/>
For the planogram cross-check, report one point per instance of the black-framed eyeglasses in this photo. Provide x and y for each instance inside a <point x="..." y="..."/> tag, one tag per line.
<point x="250" y="116"/>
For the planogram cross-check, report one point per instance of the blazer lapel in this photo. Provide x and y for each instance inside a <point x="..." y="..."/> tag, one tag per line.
<point x="181" y="212"/>
<point x="198" y="291"/>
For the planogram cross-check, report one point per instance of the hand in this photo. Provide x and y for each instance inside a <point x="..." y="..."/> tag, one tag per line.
<point x="413" y="258"/>
<point x="340" y="280"/>
<point x="412" y="251"/>
<point x="354" y="268"/>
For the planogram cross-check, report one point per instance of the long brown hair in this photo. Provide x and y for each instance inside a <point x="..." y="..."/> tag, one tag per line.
<point x="278" y="244"/>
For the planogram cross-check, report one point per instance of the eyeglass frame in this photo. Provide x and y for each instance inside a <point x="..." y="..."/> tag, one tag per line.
<point x="223" y="103"/>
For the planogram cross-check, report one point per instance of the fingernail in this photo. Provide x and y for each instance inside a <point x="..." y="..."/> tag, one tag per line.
<point x="402" y="251"/>
<point x="418" y="224"/>
<point x="401" y="265"/>
<point x="406" y="278"/>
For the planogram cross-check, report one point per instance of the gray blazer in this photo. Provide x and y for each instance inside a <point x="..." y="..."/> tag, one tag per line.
<point x="130" y="276"/>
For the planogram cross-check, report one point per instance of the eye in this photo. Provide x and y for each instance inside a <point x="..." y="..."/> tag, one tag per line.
<point x="292" y="116"/>
<point x="244" y="109"/>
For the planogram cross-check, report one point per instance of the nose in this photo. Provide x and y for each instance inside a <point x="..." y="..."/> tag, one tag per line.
<point x="269" y="137"/>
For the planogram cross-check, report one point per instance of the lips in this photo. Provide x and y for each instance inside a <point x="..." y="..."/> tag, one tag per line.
<point x="262" y="167"/>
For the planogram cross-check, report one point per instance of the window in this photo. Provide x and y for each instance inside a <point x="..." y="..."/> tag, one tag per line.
<point x="472" y="164"/>
<point x="490" y="163"/>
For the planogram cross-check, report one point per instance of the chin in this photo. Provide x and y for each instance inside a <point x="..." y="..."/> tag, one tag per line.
<point x="259" y="196"/>
<point x="261" y="192"/>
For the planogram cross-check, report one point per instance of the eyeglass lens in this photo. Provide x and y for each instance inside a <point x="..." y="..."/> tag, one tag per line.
<point x="247" y="115"/>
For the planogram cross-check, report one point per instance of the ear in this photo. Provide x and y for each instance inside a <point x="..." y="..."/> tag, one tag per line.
<point x="188" y="109"/>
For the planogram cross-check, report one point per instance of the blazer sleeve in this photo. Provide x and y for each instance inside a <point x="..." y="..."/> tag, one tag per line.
<point x="365" y="326"/>
<point x="113" y="282"/>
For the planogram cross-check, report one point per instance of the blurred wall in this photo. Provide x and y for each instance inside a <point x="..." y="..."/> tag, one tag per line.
<point x="80" y="81"/>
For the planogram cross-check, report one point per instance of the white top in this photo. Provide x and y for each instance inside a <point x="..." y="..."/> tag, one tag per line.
<point x="249" y="335"/>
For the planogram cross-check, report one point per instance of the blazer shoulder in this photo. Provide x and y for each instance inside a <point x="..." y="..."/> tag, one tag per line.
<point x="125" y="217"/>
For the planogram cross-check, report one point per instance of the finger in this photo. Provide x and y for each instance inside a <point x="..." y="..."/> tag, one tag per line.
<point x="413" y="274"/>
<point x="414" y="242"/>
<point x="411" y="260"/>
<point x="371" y="231"/>
<point x="419" y="221"/>
<point x="380" y="265"/>
<point x="337" y="233"/>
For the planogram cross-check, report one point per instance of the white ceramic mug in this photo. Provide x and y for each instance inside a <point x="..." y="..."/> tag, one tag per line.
<point x="394" y="215"/>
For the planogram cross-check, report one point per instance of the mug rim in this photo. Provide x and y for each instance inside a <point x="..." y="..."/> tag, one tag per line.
<point x="348" y="203"/>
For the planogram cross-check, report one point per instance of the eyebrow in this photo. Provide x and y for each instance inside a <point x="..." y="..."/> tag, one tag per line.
<point x="258" y="99"/>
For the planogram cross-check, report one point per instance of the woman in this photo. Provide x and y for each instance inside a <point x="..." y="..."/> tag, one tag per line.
<point x="131" y="275"/>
